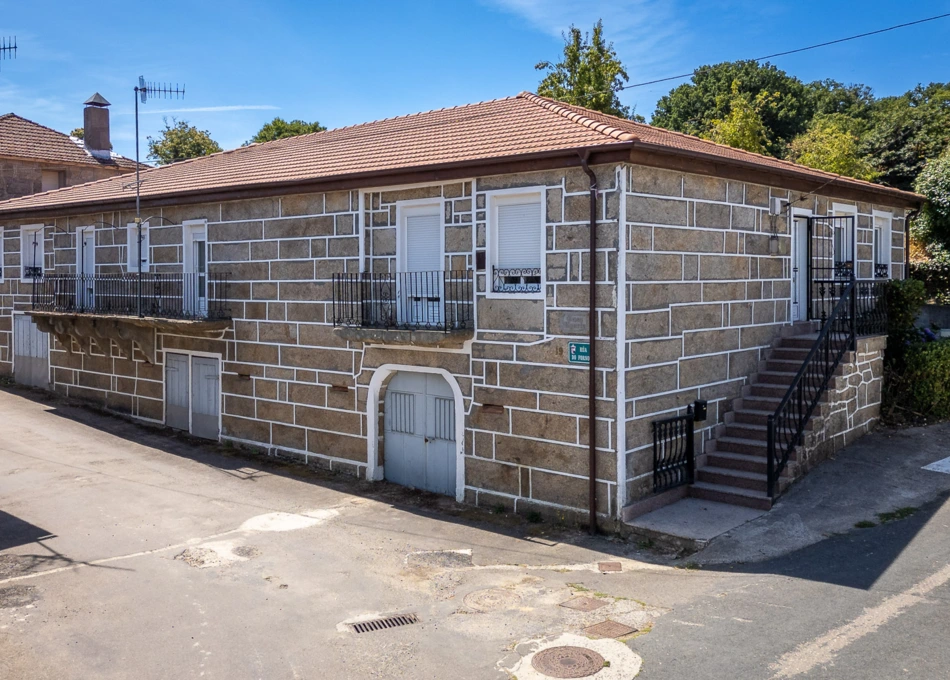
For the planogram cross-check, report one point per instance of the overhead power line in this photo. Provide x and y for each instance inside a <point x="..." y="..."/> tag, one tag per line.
<point x="782" y="54"/>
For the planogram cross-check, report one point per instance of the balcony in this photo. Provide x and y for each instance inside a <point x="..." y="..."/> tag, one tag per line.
<point x="128" y="309"/>
<point x="154" y="295"/>
<point x="420" y="308"/>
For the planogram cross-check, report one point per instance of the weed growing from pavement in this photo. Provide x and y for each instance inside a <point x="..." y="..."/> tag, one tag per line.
<point x="865" y="524"/>
<point x="900" y="513"/>
<point x="691" y="566"/>
<point x="578" y="587"/>
<point x="534" y="517"/>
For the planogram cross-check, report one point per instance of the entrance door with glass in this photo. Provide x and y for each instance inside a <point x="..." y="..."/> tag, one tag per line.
<point x="195" y="284"/>
<point x="800" y="269"/>
<point x="86" y="268"/>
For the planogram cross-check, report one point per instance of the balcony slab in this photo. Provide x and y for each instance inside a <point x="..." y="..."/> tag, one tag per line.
<point x="127" y="332"/>
<point x="453" y="339"/>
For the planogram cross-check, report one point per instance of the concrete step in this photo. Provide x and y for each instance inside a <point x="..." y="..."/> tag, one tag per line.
<point x="737" y="461"/>
<point x="747" y="431"/>
<point x="752" y="416"/>
<point x="735" y="496"/>
<point x="741" y="479"/>
<point x="750" y="447"/>
<point x="784" y="365"/>
<point x="773" y="390"/>
<point x="796" y="354"/>
<point x="802" y="341"/>
<point x="776" y="377"/>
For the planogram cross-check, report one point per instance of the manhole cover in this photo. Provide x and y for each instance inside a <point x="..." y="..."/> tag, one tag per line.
<point x="609" y="566"/>
<point x="567" y="662"/>
<point x="609" y="629"/>
<point x="492" y="599"/>
<point x="17" y="596"/>
<point x="584" y="604"/>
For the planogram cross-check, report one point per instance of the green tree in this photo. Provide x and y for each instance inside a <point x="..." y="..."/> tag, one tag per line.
<point x="907" y="131"/>
<point x="832" y="143"/>
<point x="78" y="133"/>
<point x="589" y="74"/>
<point x="932" y="227"/>
<point x="830" y="96"/>
<point x="695" y="107"/>
<point x="281" y="129"/>
<point x="742" y="127"/>
<point x="180" y="141"/>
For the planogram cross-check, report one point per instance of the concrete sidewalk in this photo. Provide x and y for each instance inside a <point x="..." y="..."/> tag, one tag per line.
<point x="880" y="473"/>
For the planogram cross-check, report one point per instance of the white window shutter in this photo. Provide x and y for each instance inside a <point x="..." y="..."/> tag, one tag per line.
<point x="31" y="255"/>
<point x="519" y="236"/>
<point x="423" y="243"/>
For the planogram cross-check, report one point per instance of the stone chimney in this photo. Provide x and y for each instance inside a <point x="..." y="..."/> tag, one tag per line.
<point x="95" y="118"/>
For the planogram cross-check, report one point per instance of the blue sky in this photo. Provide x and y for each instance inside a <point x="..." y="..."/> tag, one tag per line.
<point x="349" y="62"/>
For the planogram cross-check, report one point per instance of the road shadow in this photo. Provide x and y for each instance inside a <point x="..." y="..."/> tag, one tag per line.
<point x="249" y="466"/>
<point x="15" y="532"/>
<point x="854" y="559"/>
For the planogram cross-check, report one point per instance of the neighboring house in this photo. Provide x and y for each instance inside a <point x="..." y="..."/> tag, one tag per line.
<point x="35" y="158"/>
<point x="409" y="299"/>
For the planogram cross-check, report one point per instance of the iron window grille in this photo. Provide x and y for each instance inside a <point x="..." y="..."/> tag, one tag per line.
<point x="881" y="271"/>
<point x="32" y="272"/>
<point x="523" y="280"/>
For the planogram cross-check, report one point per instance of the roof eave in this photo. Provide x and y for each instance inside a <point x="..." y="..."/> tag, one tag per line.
<point x="803" y="180"/>
<point x="614" y="151"/>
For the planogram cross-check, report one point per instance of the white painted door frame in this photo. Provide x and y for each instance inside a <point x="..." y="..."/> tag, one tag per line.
<point x="798" y="269"/>
<point x="374" y="471"/>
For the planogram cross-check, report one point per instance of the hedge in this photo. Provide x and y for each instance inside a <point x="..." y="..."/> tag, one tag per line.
<point x="935" y="275"/>
<point x="919" y="391"/>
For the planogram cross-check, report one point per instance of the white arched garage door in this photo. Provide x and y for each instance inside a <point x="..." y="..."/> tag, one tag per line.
<point x="420" y="449"/>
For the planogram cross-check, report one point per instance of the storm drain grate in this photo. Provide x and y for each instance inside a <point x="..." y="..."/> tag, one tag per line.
<point x="383" y="624"/>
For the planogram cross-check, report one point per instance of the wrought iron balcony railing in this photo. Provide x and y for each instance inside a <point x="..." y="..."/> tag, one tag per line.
<point x="523" y="280"/>
<point x="438" y="300"/>
<point x="158" y="295"/>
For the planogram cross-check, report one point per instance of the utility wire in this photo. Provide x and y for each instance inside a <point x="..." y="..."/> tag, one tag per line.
<point x="782" y="54"/>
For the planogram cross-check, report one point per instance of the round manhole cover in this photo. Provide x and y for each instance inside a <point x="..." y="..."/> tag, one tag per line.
<point x="567" y="662"/>
<point x="491" y="600"/>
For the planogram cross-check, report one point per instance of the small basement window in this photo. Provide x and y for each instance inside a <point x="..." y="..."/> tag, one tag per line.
<point x="517" y="243"/>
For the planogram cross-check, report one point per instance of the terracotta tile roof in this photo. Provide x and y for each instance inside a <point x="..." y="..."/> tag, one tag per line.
<point x="502" y="129"/>
<point x="22" y="138"/>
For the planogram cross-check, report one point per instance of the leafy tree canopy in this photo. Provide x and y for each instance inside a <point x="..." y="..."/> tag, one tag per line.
<point x="932" y="227"/>
<point x="694" y="107"/>
<point x="281" y="129"/>
<point x="180" y="141"/>
<point x="832" y="143"/>
<point x="589" y="74"/>
<point x="78" y="133"/>
<point x="906" y="131"/>
<point x="743" y="127"/>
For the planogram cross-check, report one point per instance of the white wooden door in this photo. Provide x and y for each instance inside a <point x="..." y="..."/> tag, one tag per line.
<point x="420" y="447"/>
<point x="421" y="284"/>
<point x="205" y="399"/>
<point x="86" y="265"/>
<point x="195" y="285"/>
<point x="193" y="394"/>
<point x="799" y="269"/>
<point x="30" y="353"/>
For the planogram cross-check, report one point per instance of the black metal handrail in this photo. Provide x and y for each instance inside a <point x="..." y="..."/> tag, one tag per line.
<point x="786" y="426"/>
<point x="674" y="458"/>
<point x="435" y="300"/>
<point x="870" y="307"/>
<point x="158" y="295"/>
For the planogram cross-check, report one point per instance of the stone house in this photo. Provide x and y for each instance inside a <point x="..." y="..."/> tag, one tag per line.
<point x="410" y="299"/>
<point x="35" y="158"/>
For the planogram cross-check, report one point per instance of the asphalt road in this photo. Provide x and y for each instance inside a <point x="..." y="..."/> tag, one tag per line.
<point x="129" y="553"/>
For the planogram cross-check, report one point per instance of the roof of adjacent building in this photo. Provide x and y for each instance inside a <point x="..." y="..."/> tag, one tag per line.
<point x="22" y="138"/>
<point x="525" y="126"/>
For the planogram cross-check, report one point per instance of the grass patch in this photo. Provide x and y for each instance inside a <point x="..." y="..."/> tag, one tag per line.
<point x="894" y="515"/>
<point x="578" y="587"/>
<point x="691" y="566"/>
<point x="865" y="524"/>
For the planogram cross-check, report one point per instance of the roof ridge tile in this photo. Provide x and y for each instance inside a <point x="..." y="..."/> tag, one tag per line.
<point x="579" y="118"/>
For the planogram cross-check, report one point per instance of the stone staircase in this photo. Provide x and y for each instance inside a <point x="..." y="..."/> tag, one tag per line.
<point x="734" y="469"/>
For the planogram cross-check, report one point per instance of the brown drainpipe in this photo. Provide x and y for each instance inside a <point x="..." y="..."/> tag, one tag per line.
<point x="592" y="329"/>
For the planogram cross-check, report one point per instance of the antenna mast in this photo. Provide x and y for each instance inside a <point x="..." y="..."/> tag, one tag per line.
<point x="143" y="91"/>
<point x="8" y="48"/>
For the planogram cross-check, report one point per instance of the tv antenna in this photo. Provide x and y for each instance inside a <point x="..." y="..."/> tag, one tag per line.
<point x="8" y="48"/>
<point x="144" y="91"/>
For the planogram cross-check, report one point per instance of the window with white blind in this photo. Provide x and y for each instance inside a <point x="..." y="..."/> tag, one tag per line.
<point x="132" y="250"/>
<point x="882" y="245"/>
<point x="517" y="244"/>
<point x="32" y="251"/>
